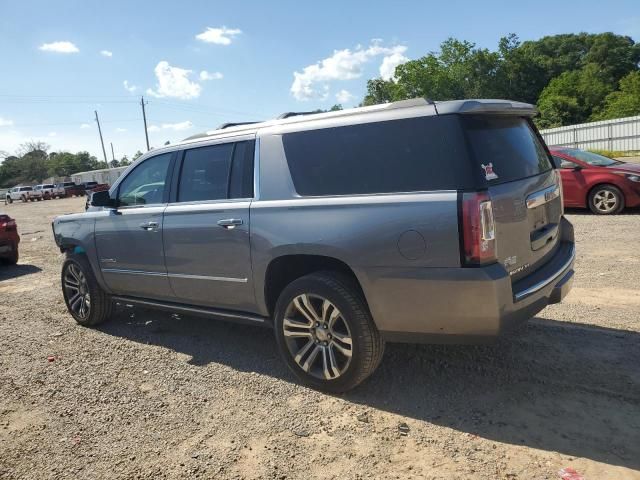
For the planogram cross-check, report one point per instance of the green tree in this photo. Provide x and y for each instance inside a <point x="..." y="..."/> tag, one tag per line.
<point x="573" y="97"/>
<point x="625" y="102"/>
<point x="136" y="155"/>
<point x="124" y="161"/>
<point x="568" y="76"/>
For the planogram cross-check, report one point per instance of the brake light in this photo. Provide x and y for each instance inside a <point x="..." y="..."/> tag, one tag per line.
<point x="478" y="229"/>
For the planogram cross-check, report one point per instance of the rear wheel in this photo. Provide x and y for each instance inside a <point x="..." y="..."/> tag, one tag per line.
<point x="606" y="200"/>
<point x="325" y="332"/>
<point x="87" y="303"/>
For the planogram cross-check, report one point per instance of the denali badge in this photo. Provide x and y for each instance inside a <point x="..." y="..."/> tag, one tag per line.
<point x="519" y="269"/>
<point x="488" y="171"/>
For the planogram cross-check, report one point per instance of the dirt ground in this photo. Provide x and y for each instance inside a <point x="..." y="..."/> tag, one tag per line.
<point x="151" y="396"/>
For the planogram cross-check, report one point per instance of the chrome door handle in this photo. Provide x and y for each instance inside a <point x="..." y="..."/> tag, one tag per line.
<point x="149" y="226"/>
<point x="230" y="223"/>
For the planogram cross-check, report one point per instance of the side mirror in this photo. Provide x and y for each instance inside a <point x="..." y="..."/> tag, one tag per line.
<point x="102" y="199"/>
<point x="577" y="168"/>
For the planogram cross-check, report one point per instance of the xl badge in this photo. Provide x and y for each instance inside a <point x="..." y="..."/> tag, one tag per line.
<point x="489" y="174"/>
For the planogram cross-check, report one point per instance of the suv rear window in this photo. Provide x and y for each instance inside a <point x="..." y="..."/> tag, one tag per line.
<point x="508" y="144"/>
<point x="408" y="155"/>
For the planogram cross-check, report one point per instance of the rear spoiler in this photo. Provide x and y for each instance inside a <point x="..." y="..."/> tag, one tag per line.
<point x="494" y="107"/>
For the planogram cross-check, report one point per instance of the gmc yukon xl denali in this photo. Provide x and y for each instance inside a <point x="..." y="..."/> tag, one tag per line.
<point x="411" y="221"/>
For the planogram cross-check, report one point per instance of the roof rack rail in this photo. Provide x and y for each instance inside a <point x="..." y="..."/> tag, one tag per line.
<point x="234" y="124"/>
<point x="295" y="114"/>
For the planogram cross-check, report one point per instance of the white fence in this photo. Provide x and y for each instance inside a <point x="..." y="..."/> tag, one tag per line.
<point x="621" y="134"/>
<point x="105" y="175"/>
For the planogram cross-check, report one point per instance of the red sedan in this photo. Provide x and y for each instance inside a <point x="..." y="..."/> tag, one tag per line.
<point x="9" y="239"/>
<point x="604" y="185"/>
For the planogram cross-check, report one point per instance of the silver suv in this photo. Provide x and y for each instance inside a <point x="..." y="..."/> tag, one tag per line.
<point x="410" y="222"/>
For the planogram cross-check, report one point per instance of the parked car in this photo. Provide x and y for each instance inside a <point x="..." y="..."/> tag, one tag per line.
<point x="591" y="180"/>
<point x="24" y="193"/>
<point x="48" y="190"/>
<point x="408" y="221"/>
<point x="90" y="187"/>
<point x="9" y="239"/>
<point x="69" y="189"/>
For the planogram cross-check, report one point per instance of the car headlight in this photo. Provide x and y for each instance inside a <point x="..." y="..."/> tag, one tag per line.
<point x="633" y="178"/>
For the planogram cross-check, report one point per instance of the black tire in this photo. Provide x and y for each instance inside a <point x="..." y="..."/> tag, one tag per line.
<point x="24" y="199"/>
<point x="100" y="306"/>
<point x="367" y="346"/>
<point x="605" y="207"/>
<point x="9" y="200"/>
<point x="13" y="258"/>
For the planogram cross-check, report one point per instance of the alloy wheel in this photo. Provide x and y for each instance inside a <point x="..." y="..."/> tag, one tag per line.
<point x="77" y="291"/>
<point x="317" y="336"/>
<point x="605" y="201"/>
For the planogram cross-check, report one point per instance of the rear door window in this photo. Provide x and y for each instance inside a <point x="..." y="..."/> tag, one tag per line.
<point x="504" y="149"/>
<point x="217" y="172"/>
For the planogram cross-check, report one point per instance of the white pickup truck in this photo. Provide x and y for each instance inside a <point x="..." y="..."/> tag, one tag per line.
<point x="23" y="193"/>
<point x="48" y="190"/>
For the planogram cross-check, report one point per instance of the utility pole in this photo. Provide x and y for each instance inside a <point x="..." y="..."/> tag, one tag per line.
<point x="144" y="117"/>
<point x="113" y="155"/>
<point x="104" y="152"/>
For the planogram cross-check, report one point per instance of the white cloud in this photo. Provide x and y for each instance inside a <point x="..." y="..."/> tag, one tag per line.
<point x="5" y="123"/>
<point x="219" y="36"/>
<point x="106" y="53"/>
<point x="59" y="47"/>
<point x="52" y="134"/>
<point x="120" y="130"/>
<point x="389" y="64"/>
<point x="177" y="127"/>
<point x="343" y="96"/>
<point x="174" y="82"/>
<point x="128" y="87"/>
<point x="85" y="125"/>
<point x="204" y="75"/>
<point x="313" y="80"/>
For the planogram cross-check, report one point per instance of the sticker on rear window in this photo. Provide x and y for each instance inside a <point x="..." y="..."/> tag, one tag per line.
<point x="489" y="174"/>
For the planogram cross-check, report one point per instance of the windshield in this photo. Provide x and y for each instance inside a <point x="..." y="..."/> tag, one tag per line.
<point x="589" y="157"/>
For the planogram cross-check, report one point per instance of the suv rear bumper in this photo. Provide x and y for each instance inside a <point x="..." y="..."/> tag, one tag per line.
<point x="465" y="305"/>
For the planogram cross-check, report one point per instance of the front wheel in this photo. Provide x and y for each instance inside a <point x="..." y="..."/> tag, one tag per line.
<point x="325" y="332"/>
<point x="606" y="200"/>
<point x="9" y="200"/>
<point x="87" y="303"/>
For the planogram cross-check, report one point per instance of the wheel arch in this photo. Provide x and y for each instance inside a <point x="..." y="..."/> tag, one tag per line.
<point x="283" y="270"/>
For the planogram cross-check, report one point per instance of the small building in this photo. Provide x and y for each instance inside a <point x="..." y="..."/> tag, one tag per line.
<point x="104" y="175"/>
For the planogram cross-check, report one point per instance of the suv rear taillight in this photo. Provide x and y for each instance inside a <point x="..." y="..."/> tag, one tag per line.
<point x="478" y="229"/>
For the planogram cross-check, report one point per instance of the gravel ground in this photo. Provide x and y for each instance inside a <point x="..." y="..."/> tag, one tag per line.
<point x="152" y="396"/>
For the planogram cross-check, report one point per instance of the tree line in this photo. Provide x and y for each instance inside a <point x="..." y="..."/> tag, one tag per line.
<point x="33" y="163"/>
<point x="572" y="78"/>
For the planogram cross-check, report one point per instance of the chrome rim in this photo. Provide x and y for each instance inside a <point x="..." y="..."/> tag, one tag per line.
<point x="605" y="201"/>
<point x="317" y="336"/>
<point x="77" y="291"/>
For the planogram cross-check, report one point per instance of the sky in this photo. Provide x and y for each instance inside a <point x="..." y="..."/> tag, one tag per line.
<point x="201" y="63"/>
